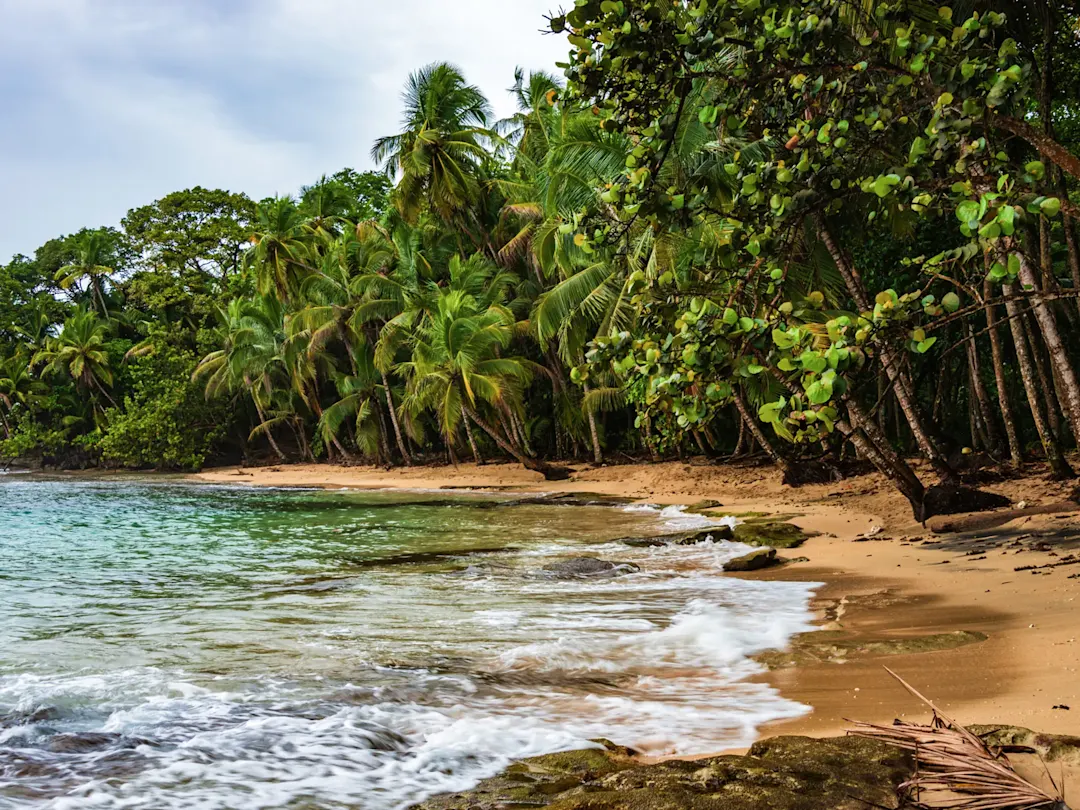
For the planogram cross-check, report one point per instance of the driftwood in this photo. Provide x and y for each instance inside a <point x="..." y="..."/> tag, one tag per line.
<point x="954" y="769"/>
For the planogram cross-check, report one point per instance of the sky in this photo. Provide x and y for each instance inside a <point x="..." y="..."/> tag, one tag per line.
<point x="106" y="105"/>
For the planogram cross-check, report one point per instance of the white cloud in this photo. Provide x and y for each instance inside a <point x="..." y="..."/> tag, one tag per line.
<point x="112" y="103"/>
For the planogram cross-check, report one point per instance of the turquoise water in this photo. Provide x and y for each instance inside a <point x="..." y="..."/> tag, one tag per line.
<point x="167" y="645"/>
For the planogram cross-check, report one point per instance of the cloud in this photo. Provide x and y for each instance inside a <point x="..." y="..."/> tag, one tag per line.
<point x="110" y="104"/>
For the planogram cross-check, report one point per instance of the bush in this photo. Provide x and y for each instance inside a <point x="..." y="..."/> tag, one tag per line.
<point x="165" y="421"/>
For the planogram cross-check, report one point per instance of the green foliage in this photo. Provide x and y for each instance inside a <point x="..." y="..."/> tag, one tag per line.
<point x="165" y="421"/>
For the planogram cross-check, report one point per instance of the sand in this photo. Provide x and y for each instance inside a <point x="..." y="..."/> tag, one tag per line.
<point x="903" y="586"/>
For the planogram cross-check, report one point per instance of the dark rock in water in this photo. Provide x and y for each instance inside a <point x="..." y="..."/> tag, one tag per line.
<point x="754" y="561"/>
<point x="952" y="499"/>
<point x="784" y="773"/>
<point x="80" y="742"/>
<point x="588" y="567"/>
<point x="773" y="534"/>
<point x="715" y="533"/>
<point x="570" y="499"/>
<point x="41" y="714"/>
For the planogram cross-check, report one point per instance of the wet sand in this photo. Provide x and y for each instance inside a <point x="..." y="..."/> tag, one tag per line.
<point x="903" y="587"/>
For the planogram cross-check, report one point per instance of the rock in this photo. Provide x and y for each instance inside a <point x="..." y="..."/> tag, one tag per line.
<point x="784" y="773"/>
<point x="80" y="742"/>
<point x="40" y="714"/>
<point x="754" y="561"/>
<point x="773" y="534"/>
<point x="692" y="538"/>
<point x="588" y="567"/>
<point x="1051" y="747"/>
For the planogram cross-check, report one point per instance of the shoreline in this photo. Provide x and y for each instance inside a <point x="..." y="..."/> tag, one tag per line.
<point x="892" y="599"/>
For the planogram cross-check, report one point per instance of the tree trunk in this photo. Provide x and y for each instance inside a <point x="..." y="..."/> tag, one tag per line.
<point x="394" y="421"/>
<point x="900" y="476"/>
<point x="758" y="433"/>
<point x="472" y="440"/>
<point x="1058" y="465"/>
<point x="269" y="435"/>
<point x="1008" y="417"/>
<point x="548" y="471"/>
<point x="1055" y="346"/>
<point x="890" y="358"/>
<point x="1048" y="397"/>
<point x="982" y="397"/>
<point x="598" y="457"/>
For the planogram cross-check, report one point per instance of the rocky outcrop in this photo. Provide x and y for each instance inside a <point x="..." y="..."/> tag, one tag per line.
<point x="587" y="567"/>
<point x="774" y="534"/>
<point x="783" y="773"/>
<point x="754" y="561"/>
<point x="690" y="538"/>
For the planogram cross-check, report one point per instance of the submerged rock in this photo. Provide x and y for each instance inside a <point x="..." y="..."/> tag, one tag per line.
<point x="588" y="567"/>
<point x="754" y="561"/>
<point x="690" y="538"/>
<point x="774" y="534"/>
<point x="784" y="773"/>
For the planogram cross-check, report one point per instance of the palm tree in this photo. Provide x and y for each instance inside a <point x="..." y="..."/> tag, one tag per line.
<point x="18" y="388"/>
<point x="79" y="352"/>
<point x="439" y="152"/>
<point x="250" y="359"/>
<point x="93" y="264"/>
<point x="456" y="371"/>
<point x="281" y="252"/>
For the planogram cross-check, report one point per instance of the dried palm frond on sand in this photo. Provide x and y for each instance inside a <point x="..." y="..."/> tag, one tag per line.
<point x="954" y="769"/>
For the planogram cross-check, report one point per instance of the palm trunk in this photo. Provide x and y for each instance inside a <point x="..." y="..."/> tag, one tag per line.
<point x="394" y="421"/>
<point x="1008" y="417"/>
<point x="758" y="433"/>
<point x="1055" y="346"/>
<point x="1048" y="396"/>
<point x="890" y="359"/>
<point x="982" y="397"/>
<point x="1058" y="465"/>
<point x="900" y="476"/>
<point x="548" y="471"/>
<point x="472" y="440"/>
<point x="262" y="421"/>
<point x="598" y="457"/>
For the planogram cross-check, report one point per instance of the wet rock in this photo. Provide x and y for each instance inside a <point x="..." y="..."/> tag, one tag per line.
<point x="691" y="538"/>
<point x="39" y="714"/>
<point x="570" y="499"/>
<point x="838" y="647"/>
<point x="754" y="561"/>
<point x="588" y="567"/>
<point x="770" y="533"/>
<point x="1051" y="747"/>
<point x="83" y="741"/>
<point x="784" y="773"/>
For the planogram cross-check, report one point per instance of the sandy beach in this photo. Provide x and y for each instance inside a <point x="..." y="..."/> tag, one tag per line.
<point x="942" y="605"/>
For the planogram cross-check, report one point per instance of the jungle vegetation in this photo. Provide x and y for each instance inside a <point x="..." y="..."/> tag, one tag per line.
<point x="818" y="232"/>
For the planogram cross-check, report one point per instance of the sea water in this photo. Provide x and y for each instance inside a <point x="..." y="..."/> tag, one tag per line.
<point x="166" y="645"/>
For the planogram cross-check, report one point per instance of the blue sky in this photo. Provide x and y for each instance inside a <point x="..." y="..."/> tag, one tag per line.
<point x="110" y="104"/>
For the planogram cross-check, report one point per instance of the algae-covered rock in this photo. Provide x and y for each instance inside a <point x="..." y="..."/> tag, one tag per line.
<point x="1051" y="747"/>
<point x="770" y="533"/>
<point x="754" y="561"/>
<point x="588" y="567"/>
<point x="784" y="773"/>
<point x="691" y="538"/>
<point x="838" y="647"/>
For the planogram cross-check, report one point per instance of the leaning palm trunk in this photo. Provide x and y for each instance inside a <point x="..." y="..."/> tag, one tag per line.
<point x="1008" y="417"/>
<point x="1058" y="465"/>
<point x="472" y="439"/>
<point x="758" y="433"/>
<point x="1055" y="346"/>
<point x="890" y="357"/>
<point x="982" y="397"/>
<point x="262" y="421"/>
<point x="549" y="472"/>
<point x="598" y="457"/>
<point x="394" y="421"/>
<point x="955" y="770"/>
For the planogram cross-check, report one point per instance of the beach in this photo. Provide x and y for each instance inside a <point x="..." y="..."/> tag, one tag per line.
<point x="945" y="609"/>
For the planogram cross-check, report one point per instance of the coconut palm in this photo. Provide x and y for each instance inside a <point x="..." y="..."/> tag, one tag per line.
<point x="439" y="153"/>
<point x="457" y="373"/>
<point x="79" y="352"/>
<point x="93" y="264"/>
<point x="281" y="252"/>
